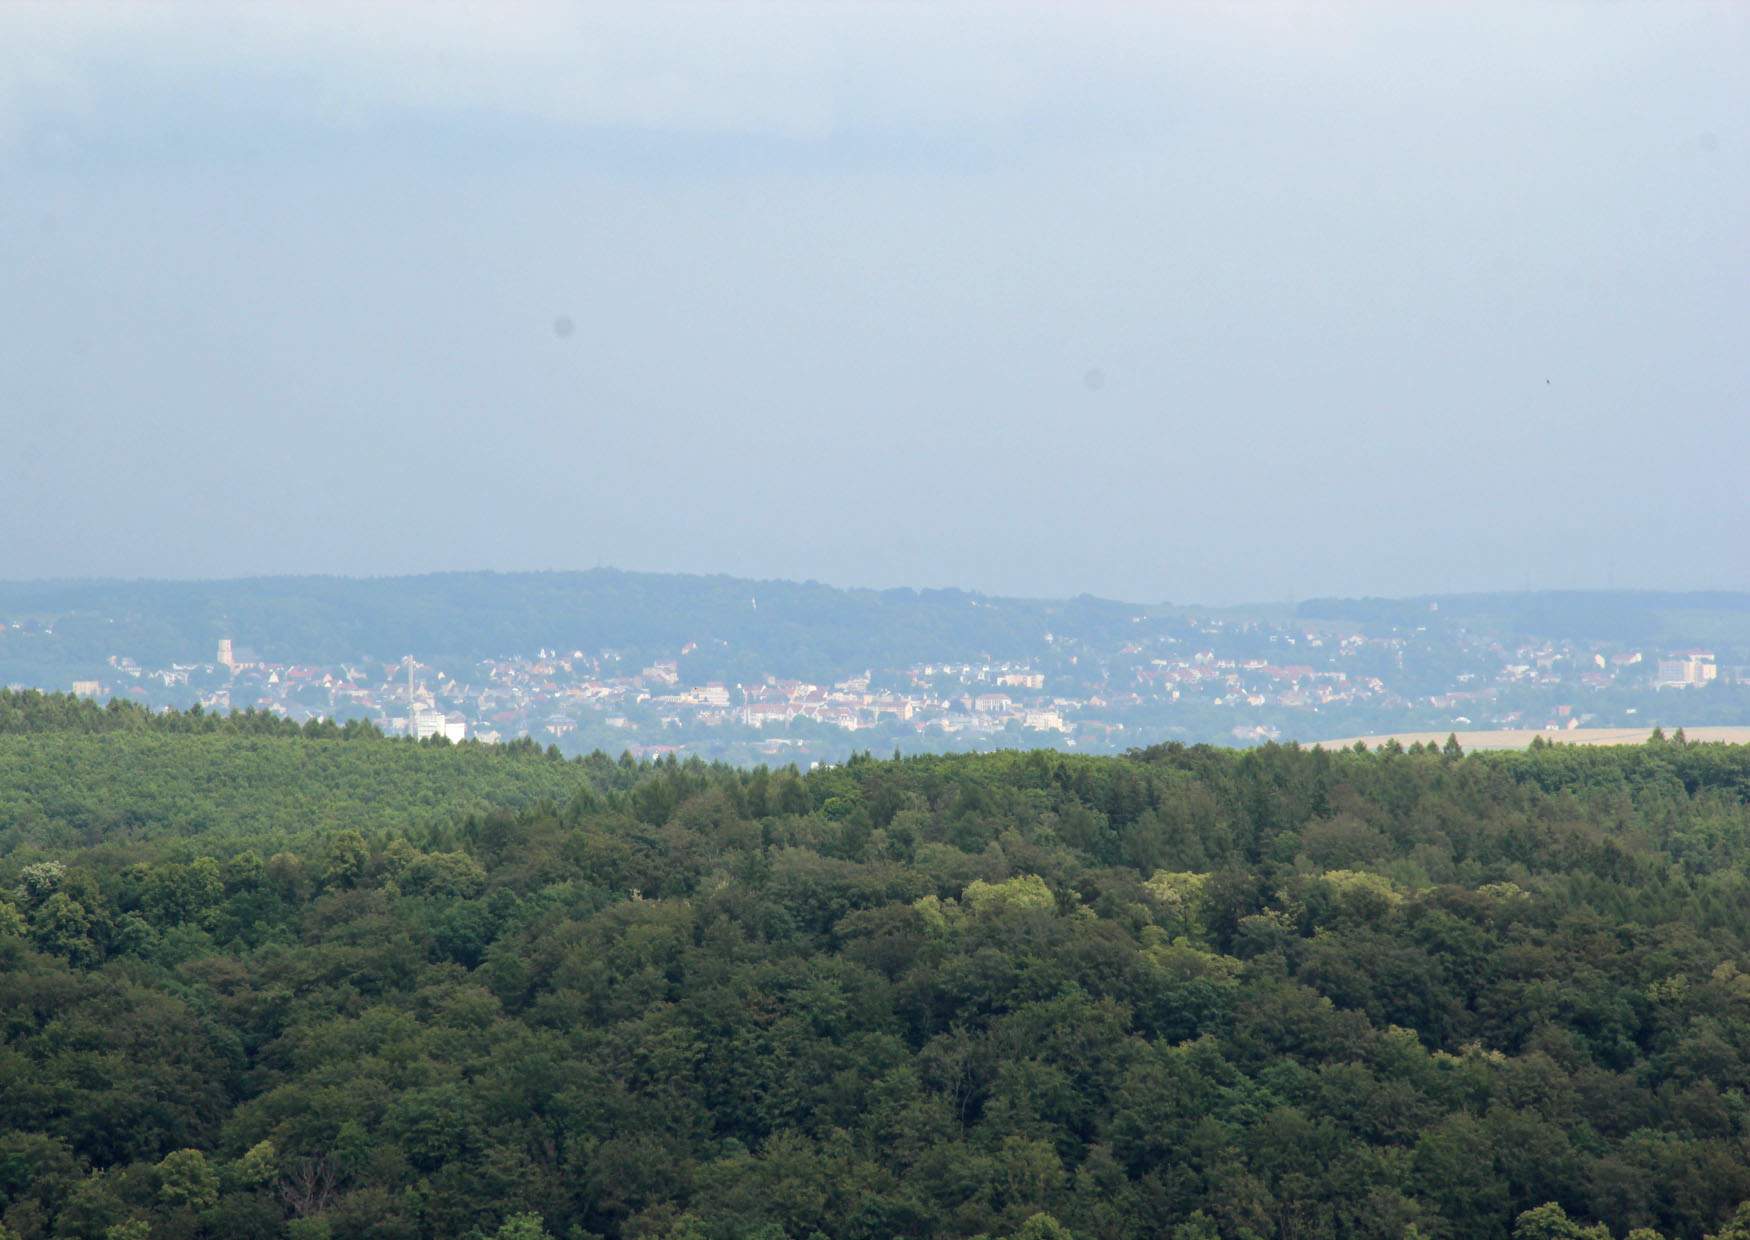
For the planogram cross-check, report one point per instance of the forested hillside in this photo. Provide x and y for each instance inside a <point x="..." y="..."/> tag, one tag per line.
<point x="1192" y="993"/>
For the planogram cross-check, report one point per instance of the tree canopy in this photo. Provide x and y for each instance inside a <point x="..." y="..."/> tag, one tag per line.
<point x="1191" y="992"/>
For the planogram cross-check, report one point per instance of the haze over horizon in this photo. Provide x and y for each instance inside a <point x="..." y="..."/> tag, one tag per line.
<point x="1206" y="305"/>
<point x="58" y="586"/>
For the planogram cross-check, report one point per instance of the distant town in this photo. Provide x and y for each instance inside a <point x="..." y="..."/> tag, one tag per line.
<point x="1195" y="679"/>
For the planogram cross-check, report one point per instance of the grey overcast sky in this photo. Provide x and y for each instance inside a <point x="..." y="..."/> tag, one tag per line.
<point x="1202" y="303"/>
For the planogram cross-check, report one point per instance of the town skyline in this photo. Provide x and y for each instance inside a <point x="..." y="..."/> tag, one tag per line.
<point x="1198" y="679"/>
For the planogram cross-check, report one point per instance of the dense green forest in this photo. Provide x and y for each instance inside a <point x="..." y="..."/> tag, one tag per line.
<point x="73" y="773"/>
<point x="1191" y="993"/>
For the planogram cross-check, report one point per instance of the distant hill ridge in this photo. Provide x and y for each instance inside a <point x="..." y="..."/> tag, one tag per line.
<point x="1599" y="615"/>
<point x="806" y="628"/>
<point x="818" y="629"/>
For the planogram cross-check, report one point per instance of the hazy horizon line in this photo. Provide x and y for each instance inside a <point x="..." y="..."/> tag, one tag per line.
<point x="1606" y="590"/>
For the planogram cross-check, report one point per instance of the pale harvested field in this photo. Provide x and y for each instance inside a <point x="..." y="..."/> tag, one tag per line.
<point x="1519" y="738"/>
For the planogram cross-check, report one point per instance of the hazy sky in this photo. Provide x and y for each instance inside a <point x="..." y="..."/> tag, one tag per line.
<point x="1179" y="302"/>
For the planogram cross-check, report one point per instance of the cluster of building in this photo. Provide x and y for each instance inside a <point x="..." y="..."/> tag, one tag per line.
<point x="1209" y="678"/>
<point x="1687" y="671"/>
<point x="981" y="700"/>
<point x="237" y="680"/>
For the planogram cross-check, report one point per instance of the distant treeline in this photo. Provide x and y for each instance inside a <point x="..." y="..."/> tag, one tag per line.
<point x="25" y="711"/>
